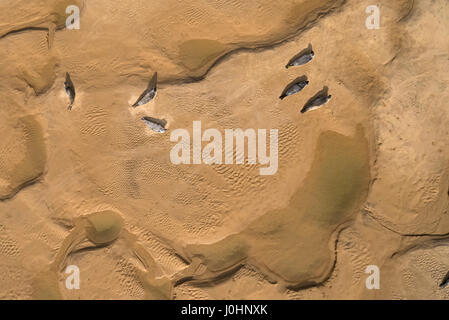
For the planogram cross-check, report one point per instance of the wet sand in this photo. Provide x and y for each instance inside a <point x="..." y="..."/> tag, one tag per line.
<point x="362" y="180"/>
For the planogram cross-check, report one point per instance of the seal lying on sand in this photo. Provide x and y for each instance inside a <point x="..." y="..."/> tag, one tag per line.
<point x="69" y="89"/>
<point x="316" y="103"/>
<point x="155" y="124"/>
<point x="445" y="281"/>
<point x="294" y="87"/>
<point x="149" y="93"/>
<point x="301" y="58"/>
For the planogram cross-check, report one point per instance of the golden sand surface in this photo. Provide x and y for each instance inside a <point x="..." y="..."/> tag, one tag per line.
<point x="23" y="154"/>
<point x="361" y="181"/>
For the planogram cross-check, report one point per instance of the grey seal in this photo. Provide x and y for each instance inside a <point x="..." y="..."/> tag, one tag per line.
<point x="154" y="124"/>
<point x="294" y="87"/>
<point x="445" y="281"/>
<point x="301" y="58"/>
<point x="316" y="103"/>
<point x="69" y="89"/>
<point x="149" y="93"/>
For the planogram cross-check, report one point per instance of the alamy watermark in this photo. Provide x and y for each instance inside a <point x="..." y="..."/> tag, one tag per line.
<point x="373" y="281"/>
<point x="185" y="152"/>
<point x="73" y="280"/>
<point x="373" y="20"/>
<point x="73" y="20"/>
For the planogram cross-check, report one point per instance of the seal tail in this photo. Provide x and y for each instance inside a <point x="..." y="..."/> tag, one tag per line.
<point x="282" y="96"/>
<point x="69" y="107"/>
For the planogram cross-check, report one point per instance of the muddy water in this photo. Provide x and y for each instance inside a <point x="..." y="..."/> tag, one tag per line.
<point x="294" y="244"/>
<point x="103" y="227"/>
<point x="197" y="54"/>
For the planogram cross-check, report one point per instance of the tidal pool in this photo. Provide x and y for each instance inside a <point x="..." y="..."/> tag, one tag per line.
<point x="295" y="244"/>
